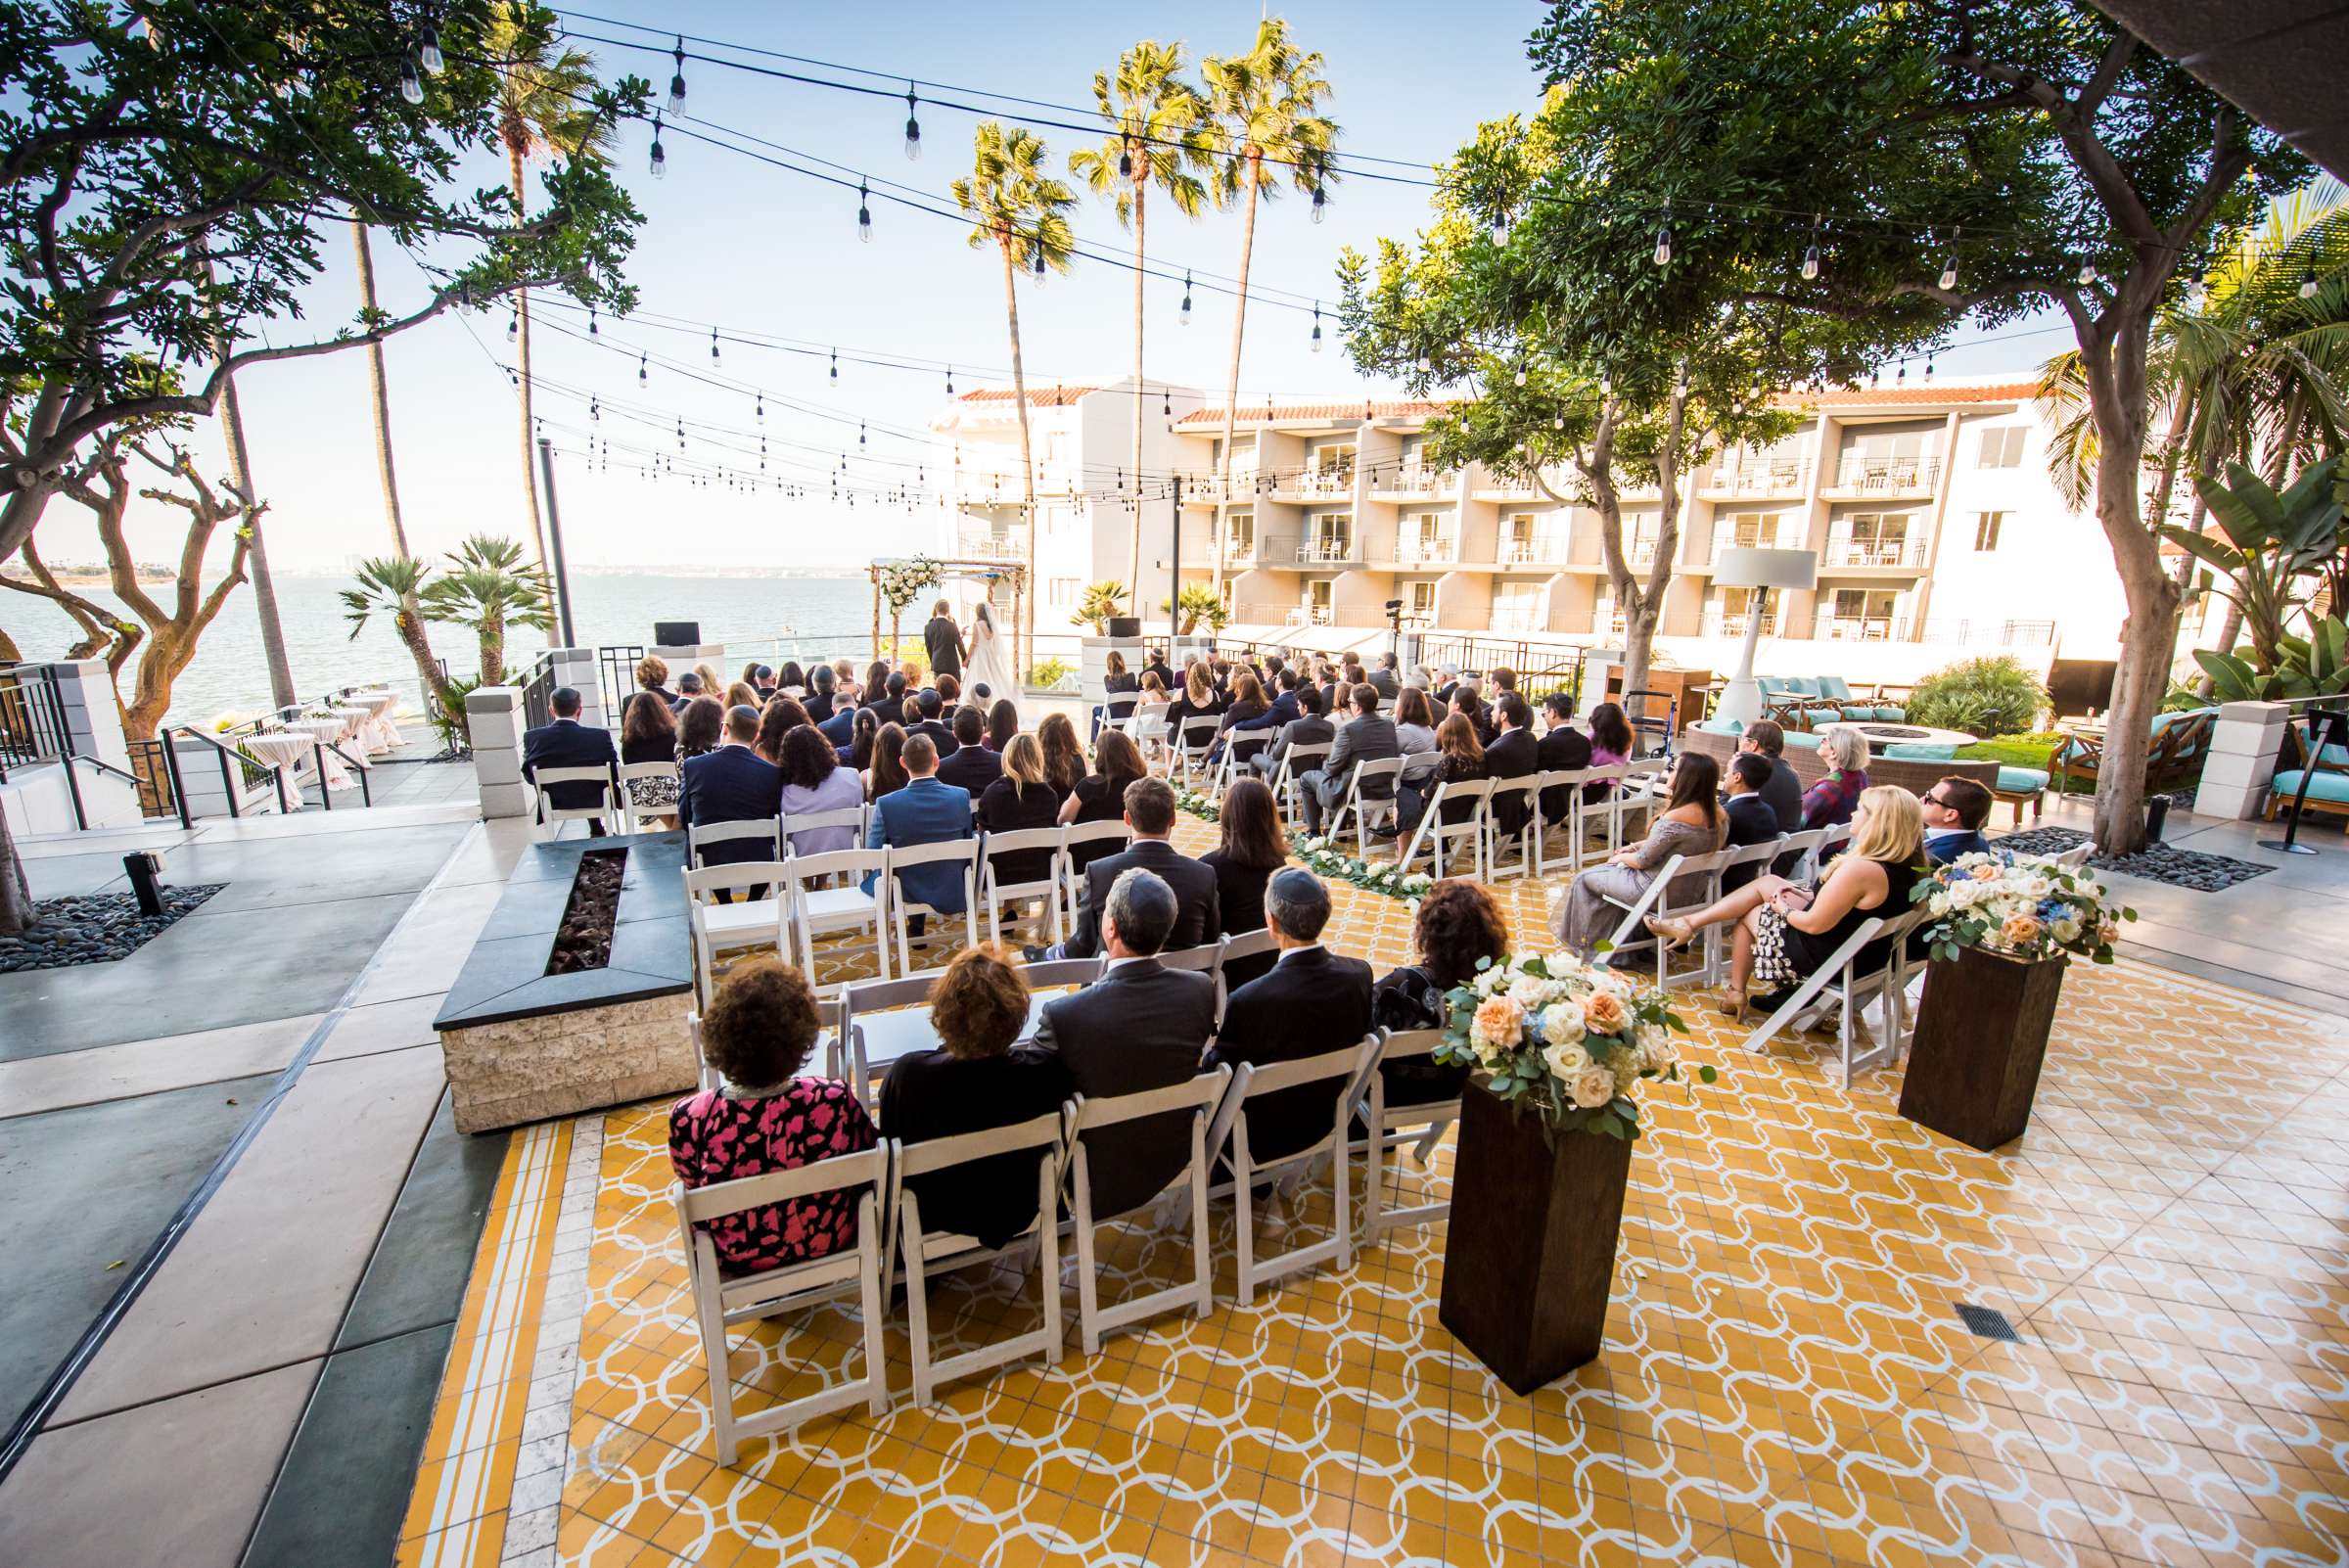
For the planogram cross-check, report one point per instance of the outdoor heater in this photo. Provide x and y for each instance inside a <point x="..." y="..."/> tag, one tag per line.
<point x="1761" y="569"/>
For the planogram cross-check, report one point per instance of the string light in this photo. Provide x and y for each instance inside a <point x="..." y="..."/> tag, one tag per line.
<point x="759" y="410"/>
<point x="1520" y="374"/>
<point x="1126" y="159"/>
<point x="913" y="127"/>
<point x="642" y="379"/>
<point x="1321" y="197"/>
<point x="1039" y="258"/>
<point x="592" y="329"/>
<point x="680" y="435"/>
<point x="864" y="212"/>
<point x="595" y="410"/>
<point x="949" y="381"/>
<point x="714" y="346"/>
<point x="1166" y="396"/>
<point x="1501" y="228"/>
<point x="677" y="82"/>
<point x="1316" y="341"/>
<point x="513" y="325"/>
<point x="861" y="432"/>
<point x="1185" y="317"/>
<point x="1811" y="255"/>
<point x="2198" y="297"/>
<point x="2307" y="284"/>
<point x="427" y="47"/>
<point x="836" y="364"/>
<point x="2088" y="273"/>
<point x="411" y="85"/>
<point x="1949" y="264"/>
<point x="1663" y="237"/>
<point x="660" y="159"/>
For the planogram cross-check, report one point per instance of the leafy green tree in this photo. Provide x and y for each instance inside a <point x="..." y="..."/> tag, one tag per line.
<point x="2270" y="546"/>
<point x="1024" y="213"/>
<point x="1995" y="160"/>
<point x="163" y="168"/>
<point x="1158" y="137"/>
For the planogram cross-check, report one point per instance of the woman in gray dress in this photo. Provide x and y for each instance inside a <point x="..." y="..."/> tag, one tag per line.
<point x="1692" y="823"/>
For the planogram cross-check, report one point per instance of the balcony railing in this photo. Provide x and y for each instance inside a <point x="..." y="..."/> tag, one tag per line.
<point x="1210" y="487"/>
<point x="1310" y="615"/>
<point x="1326" y="549"/>
<point x="1640" y="553"/>
<point x="991" y="547"/>
<point x="1903" y="552"/>
<point x="1727" y="539"/>
<point x="1509" y="618"/>
<point x="1545" y="549"/>
<point x="1861" y="628"/>
<point x="2011" y="633"/>
<point x="1322" y="483"/>
<point x="1883" y="475"/>
<point x="1411" y="477"/>
<point x="1410" y="548"/>
<point x="1732" y="622"/>
<point x="1760" y="478"/>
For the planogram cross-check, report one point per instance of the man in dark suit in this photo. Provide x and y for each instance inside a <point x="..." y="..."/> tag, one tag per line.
<point x="1512" y="754"/>
<point x="1448" y="682"/>
<point x="1785" y="791"/>
<point x="1367" y="737"/>
<point x="689" y="686"/>
<point x="732" y="784"/>
<point x="888" y="705"/>
<point x="1142" y="1026"/>
<point x="1562" y="749"/>
<point x="1156" y="666"/>
<point x="1955" y="811"/>
<point x="941" y="735"/>
<point x="1751" y="818"/>
<point x="1275" y="717"/>
<point x="568" y="743"/>
<point x="1308" y="728"/>
<point x="944" y="641"/>
<point x="1384" y="678"/>
<point x="1311" y="1001"/>
<point x="924" y="811"/>
<point x="1150" y="813"/>
<point x="970" y="766"/>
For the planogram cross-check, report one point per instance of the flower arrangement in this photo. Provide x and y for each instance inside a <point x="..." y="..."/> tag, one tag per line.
<point x="1198" y="804"/>
<point x="1566" y="1041"/>
<point x="2026" y="906"/>
<point x="1324" y="860"/>
<point x="904" y="581"/>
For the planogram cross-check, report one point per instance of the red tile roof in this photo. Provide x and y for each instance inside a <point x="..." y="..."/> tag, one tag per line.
<point x="2004" y="391"/>
<point x="1038" y="397"/>
<point x="1317" y="413"/>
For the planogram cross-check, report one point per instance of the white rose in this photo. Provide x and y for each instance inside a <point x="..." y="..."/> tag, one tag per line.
<point x="2065" y="930"/>
<point x="1593" y="1087"/>
<point x="1965" y="894"/>
<point x="1562" y="1021"/>
<point x="1567" y="1062"/>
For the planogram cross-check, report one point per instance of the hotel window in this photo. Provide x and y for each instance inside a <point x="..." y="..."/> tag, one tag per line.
<point x="1064" y="590"/>
<point x="1876" y="539"/>
<point x="1752" y="530"/>
<point x="1423" y="600"/>
<point x="1986" y="529"/>
<point x="2002" y="449"/>
<point x="1333" y="457"/>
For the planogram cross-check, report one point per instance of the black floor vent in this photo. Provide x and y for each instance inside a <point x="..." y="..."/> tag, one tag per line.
<point x="1987" y="1321"/>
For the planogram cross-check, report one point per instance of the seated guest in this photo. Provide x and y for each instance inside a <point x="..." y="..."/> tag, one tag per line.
<point x="973" y="1083"/>
<point x="933" y="723"/>
<point x="839" y="725"/>
<point x="1367" y="737"/>
<point x="792" y="681"/>
<point x="1064" y="759"/>
<point x="1414" y="722"/>
<point x="1954" y="810"/>
<point x="1155" y="662"/>
<point x="1119" y="686"/>
<point x="876" y="682"/>
<point x="1016" y="802"/>
<point x="1252" y="848"/>
<point x="1308" y="728"/>
<point x="1457" y="923"/>
<point x="781" y="715"/>
<point x="859" y="753"/>
<point x="1150" y="813"/>
<point x="1564" y="748"/>
<point x="1003" y="724"/>
<point x="1750" y="818"/>
<point x="1470" y="702"/>
<point x="1199" y="700"/>
<point x="689" y="686"/>
<point x="1511" y="755"/>
<point x="565" y="742"/>
<point x="949" y="692"/>
<point x="651" y="676"/>
<point x="757" y="677"/>
<point x="1100" y="796"/>
<point x="924" y="811"/>
<point x="648" y="733"/>
<point x="757" y="1031"/>
<point x="701" y="725"/>
<point x="1691" y="824"/>
<point x="1448" y="681"/>
<point x="813" y="781"/>
<point x="843" y="681"/>
<point x="1142" y="1026"/>
<point x="821" y="685"/>
<point x="742" y="694"/>
<point x="1459" y="760"/>
<point x="885" y="697"/>
<point x="1611" y="741"/>
<point x="969" y="766"/>
<point x="1247" y="714"/>
<point x="732" y="784"/>
<point x="1386" y="678"/>
<point x="1273" y="719"/>
<point x="714" y="684"/>
<point x="1785" y="791"/>
<point x="1785" y="932"/>
<point x="1830" y="802"/>
<point x="885" y="774"/>
<point x="1312" y="1002"/>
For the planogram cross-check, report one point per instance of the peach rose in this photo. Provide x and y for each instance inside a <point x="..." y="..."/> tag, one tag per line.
<point x="1603" y="1012"/>
<point x="1984" y="873"/>
<point x="1499" y="1022"/>
<point x="2020" y="931"/>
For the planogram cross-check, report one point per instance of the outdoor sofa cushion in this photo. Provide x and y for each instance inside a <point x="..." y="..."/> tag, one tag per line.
<point x="1923" y="751"/>
<point x="2021" y="780"/>
<point x="2326" y="786"/>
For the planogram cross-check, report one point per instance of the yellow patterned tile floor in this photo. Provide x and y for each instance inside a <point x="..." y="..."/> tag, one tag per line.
<point x="1786" y="1378"/>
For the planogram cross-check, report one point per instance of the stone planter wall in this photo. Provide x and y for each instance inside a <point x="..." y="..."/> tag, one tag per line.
<point x="558" y="1064"/>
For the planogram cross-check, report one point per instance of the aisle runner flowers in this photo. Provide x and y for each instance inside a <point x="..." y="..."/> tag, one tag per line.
<point x="1566" y="1041"/>
<point x="1375" y="876"/>
<point x="2021" y="906"/>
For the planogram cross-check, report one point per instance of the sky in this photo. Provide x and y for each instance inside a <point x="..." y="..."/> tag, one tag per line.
<point x="757" y="249"/>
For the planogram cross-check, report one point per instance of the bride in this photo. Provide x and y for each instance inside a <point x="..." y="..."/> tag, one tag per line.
<point x="989" y="659"/>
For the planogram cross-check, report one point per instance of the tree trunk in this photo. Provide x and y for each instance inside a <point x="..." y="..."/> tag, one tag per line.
<point x="522" y="366"/>
<point x="1134" y="553"/>
<point x="2150" y="630"/>
<point x="1231" y="383"/>
<point x="264" y="587"/>
<point x="410" y="618"/>
<point x="1022" y="658"/>
<point x="493" y="649"/>
<point x="17" y="913"/>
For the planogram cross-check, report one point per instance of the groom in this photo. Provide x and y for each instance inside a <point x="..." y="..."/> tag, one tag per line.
<point x="945" y="641"/>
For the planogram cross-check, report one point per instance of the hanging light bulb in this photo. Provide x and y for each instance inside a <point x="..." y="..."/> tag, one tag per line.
<point x="1606" y="385"/>
<point x="427" y="48"/>
<point x="2307" y="284"/>
<point x="913" y="128"/>
<point x="864" y="213"/>
<point x="949" y="381"/>
<point x="2198" y="296"/>
<point x="1426" y="364"/>
<point x="1949" y="264"/>
<point x="1166" y="402"/>
<point x="1558" y="422"/>
<point x="1185" y="316"/>
<point x="595" y="410"/>
<point x="1320" y="199"/>
<point x="1929" y="367"/>
<point x="1501" y="228"/>
<point x="836" y="364"/>
<point x="513" y="325"/>
<point x="1811" y="255"/>
<point x="1520" y="374"/>
<point x="1316" y="342"/>
<point x="714" y="346"/>
<point x="641" y="377"/>
<point x="1663" y="237"/>
<point x="2088" y="273"/>
<point x="1039" y="258"/>
<point x="677" y="82"/>
<point x="1126" y="159"/>
<point x="411" y="85"/>
<point x="591" y="326"/>
<point x="758" y="411"/>
<point x="660" y="159"/>
<point x="861" y="432"/>
<point x="1900" y="376"/>
<point x="680" y="435"/>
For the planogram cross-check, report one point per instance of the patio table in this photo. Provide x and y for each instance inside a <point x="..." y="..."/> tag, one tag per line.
<point x="284" y="751"/>
<point x="359" y="722"/>
<point x="381" y="705"/>
<point x="321" y="733"/>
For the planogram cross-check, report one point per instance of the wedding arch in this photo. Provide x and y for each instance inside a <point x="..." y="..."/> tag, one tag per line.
<point x="900" y="580"/>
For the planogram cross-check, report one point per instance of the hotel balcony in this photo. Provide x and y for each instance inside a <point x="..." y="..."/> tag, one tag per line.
<point x="1329" y="550"/>
<point x="1727" y="539"/>
<point x="1751" y="479"/>
<point x="982" y="545"/>
<point x="1272" y="613"/>
<point x="1410" y="482"/>
<point x="1886" y="476"/>
<point x="1831" y="627"/>
<point x="1300" y="485"/>
<point x="1547" y="551"/>
<point x="1732" y="622"/>
<point x="2009" y="633"/>
<point x="1247" y="551"/>
<point x="1898" y="555"/>
<point x="1207" y="489"/>
<point x="1412" y="550"/>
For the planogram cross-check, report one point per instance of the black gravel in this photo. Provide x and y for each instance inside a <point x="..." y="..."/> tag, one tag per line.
<point x="96" y="929"/>
<point x="2155" y="863"/>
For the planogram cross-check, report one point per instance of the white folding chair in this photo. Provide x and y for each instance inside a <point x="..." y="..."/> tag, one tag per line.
<point x="1360" y="806"/>
<point x="853" y="818"/>
<point x="1301" y="758"/>
<point x="601" y="814"/>
<point x="719" y="1301"/>
<point x="632" y="774"/>
<point x="754" y="830"/>
<point x="1439" y="836"/>
<point x="1071" y="838"/>
<point x="1528" y="787"/>
<point x="1760" y="856"/>
<point x="1340" y="1069"/>
<point x="995" y="893"/>
<point x="1247" y="945"/>
<point x="1839" y="983"/>
<point x="1641" y="795"/>
<point x="824" y="893"/>
<point x="905" y="857"/>
<point x="1200" y="1097"/>
<point x="1194" y="742"/>
<point x="1700" y="871"/>
<point x="742" y="925"/>
<point x="2073" y="859"/>
<point x="1205" y="959"/>
<point x="882" y="1020"/>
<point x="923" y="1251"/>
<point x="1384" y="1122"/>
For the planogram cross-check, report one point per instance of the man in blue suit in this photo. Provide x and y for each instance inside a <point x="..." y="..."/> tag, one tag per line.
<point x="732" y="784"/>
<point x="1955" y="811"/>
<point x="568" y="743"/>
<point x="924" y="811"/>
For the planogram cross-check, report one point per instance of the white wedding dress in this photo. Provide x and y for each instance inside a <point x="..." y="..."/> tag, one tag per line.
<point x="991" y="666"/>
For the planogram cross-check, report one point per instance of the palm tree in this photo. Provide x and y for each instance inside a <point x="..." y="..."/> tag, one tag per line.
<point x="542" y="111"/>
<point x="1024" y="213"/>
<point x="1265" y="105"/>
<point x="489" y="589"/>
<point x="394" y="587"/>
<point x="1158" y="137"/>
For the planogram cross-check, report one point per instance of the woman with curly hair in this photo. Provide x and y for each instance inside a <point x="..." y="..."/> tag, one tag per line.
<point x="757" y="1031"/>
<point x="1064" y="759"/>
<point x="701" y="725"/>
<point x="781" y="715"/>
<point x="974" y="1082"/>
<point x="1457" y="923"/>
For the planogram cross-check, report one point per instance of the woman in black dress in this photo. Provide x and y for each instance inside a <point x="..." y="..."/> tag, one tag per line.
<point x="648" y="733"/>
<point x="1064" y="759"/>
<point x="700" y="725"/>
<point x="1254" y="846"/>
<point x="1100" y="796"/>
<point x="1016" y="802"/>
<point x="1459" y="923"/>
<point x="1460" y="760"/>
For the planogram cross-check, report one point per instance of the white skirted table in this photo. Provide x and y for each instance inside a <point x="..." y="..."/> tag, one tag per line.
<point x="283" y="750"/>
<point x="381" y="705"/>
<point x="358" y="722"/>
<point x="321" y="733"/>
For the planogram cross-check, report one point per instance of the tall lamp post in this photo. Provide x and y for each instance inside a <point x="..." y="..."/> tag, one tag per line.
<point x="1763" y="571"/>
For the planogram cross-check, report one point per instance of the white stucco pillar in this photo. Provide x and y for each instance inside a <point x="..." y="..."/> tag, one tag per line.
<point x="2243" y="747"/>
<point x="493" y="717"/>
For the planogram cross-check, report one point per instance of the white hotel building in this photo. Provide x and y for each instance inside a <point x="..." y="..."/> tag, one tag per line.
<point x="1938" y="531"/>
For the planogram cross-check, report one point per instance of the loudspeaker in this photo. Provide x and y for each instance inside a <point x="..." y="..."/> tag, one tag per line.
<point x="1125" y="625"/>
<point x="676" y="634"/>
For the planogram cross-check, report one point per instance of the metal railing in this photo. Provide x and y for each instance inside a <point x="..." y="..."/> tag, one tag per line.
<point x="1327" y="549"/>
<point x="538" y="691"/>
<point x="1732" y="623"/>
<point x="1861" y="628"/>
<point x="1902" y="552"/>
<point x="1410" y="478"/>
<point x="616" y="673"/>
<point x="2009" y="633"/>
<point x="1540" y="670"/>
<point x="990" y="546"/>
<point x="1760" y="478"/>
<point x="1857" y="472"/>
<point x="32" y="718"/>
<point x="1412" y="549"/>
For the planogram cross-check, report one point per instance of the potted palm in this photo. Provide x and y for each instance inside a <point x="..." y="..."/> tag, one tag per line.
<point x="1199" y="606"/>
<point x="2007" y="927"/>
<point x="1101" y="603"/>
<point x="1559" y="1050"/>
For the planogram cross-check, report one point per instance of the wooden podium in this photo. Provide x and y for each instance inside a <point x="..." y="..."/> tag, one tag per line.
<point x="1686" y="687"/>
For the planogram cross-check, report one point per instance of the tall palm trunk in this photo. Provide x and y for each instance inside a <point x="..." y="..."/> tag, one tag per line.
<point x="1024" y="655"/>
<point x="264" y="587"/>
<point x="1231" y="383"/>
<point x="522" y="364"/>
<point x="1134" y="554"/>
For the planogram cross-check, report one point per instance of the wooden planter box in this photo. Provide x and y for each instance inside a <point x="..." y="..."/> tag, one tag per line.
<point x="1981" y="1037"/>
<point x="1528" y="1255"/>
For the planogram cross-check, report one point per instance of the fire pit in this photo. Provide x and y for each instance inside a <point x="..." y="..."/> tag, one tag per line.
<point x="584" y="941"/>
